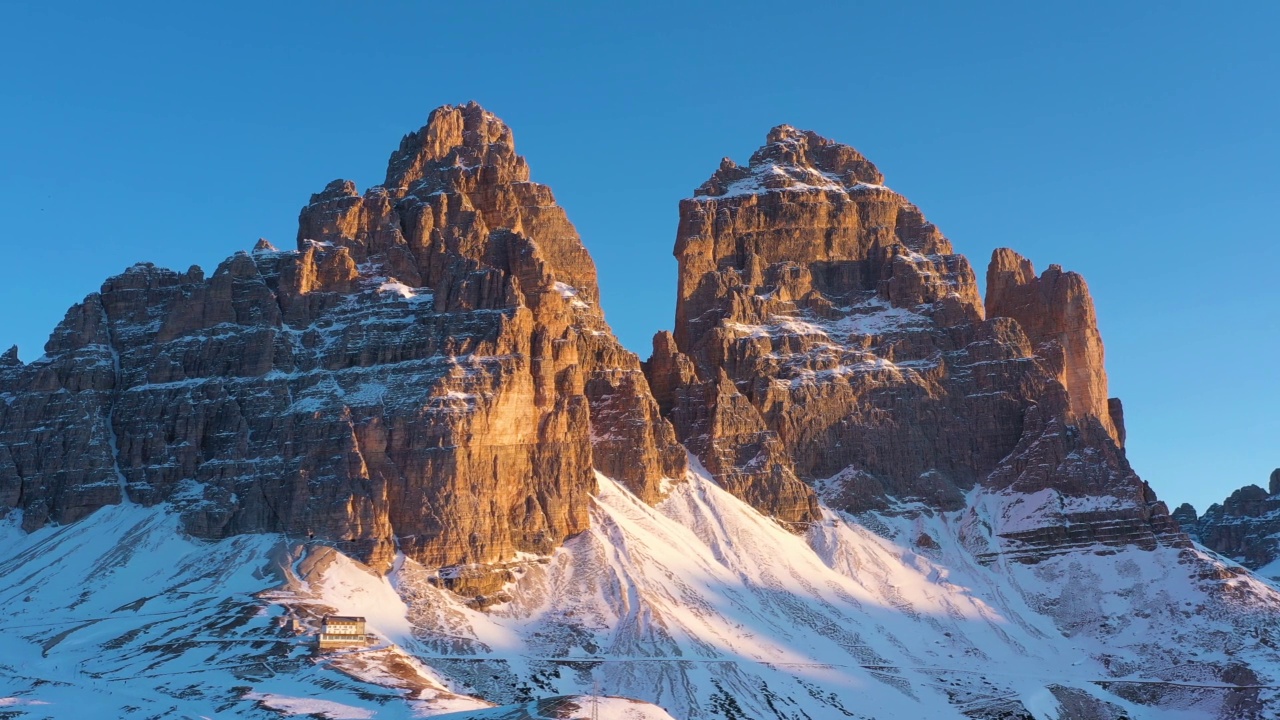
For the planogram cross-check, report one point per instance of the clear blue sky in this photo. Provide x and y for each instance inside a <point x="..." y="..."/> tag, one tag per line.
<point x="1136" y="144"/>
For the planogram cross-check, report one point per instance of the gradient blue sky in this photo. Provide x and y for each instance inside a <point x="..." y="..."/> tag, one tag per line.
<point x="1136" y="144"/>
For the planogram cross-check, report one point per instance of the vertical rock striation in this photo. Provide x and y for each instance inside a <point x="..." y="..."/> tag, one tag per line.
<point x="1056" y="312"/>
<point x="828" y="337"/>
<point x="428" y="371"/>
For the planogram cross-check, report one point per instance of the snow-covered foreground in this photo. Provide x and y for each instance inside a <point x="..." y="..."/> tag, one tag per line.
<point x="700" y="606"/>
<point x="568" y="706"/>
<point x="120" y="615"/>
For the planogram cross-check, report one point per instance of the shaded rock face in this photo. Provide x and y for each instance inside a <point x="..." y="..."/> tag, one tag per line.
<point x="827" y="336"/>
<point x="1186" y="516"/>
<point x="1245" y="527"/>
<point x="428" y="371"/>
<point x="1056" y="312"/>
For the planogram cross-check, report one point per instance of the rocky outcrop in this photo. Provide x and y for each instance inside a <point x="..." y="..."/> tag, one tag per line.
<point x="1186" y="516"/>
<point x="428" y="371"/>
<point x="828" y="337"/>
<point x="1056" y="312"/>
<point x="1245" y="527"/>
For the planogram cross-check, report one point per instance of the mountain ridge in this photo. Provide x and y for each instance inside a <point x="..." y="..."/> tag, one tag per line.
<point x="841" y="473"/>
<point x="1244" y="527"/>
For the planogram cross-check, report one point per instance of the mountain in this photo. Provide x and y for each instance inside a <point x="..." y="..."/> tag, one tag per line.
<point x="427" y="373"/>
<point x="844" y="484"/>
<point x="1245" y="527"/>
<point x="828" y="337"/>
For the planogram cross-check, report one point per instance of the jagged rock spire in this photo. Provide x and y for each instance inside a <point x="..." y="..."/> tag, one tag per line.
<point x="456" y="192"/>
<point x="1056" y="311"/>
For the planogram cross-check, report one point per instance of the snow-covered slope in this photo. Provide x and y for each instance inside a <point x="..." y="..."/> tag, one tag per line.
<point x="120" y="616"/>
<point x="700" y="606"/>
<point x="568" y="706"/>
<point x="709" y="609"/>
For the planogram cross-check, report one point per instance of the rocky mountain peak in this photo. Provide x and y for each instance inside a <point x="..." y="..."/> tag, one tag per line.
<point x="1245" y="526"/>
<point x="796" y="159"/>
<point x="457" y="199"/>
<point x="263" y="246"/>
<point x="793" y="269"/>
<point x="810" y="217"/>
<point x="1009" y="267"/>
<point x="1186" y="516"/>
<point x="1244" y="501"/>
<point x="429" y="371"/>
<point x="828" y="338"/>
<point x="457" y="140"/>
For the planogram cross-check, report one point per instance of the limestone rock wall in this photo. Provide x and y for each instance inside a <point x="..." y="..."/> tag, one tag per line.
<point x="1057" y="313"/>
<point x="828" y="339"/>
<point x="429" y="371"/>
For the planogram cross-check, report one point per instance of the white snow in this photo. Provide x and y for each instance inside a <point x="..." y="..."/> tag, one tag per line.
<point x="1042" y="705"/>
<point x="353" y="589"/>
<point x="772" y="176"/>
<point x="874" y="317"/>
<point x="690" y="605"/>
<point x="1271" y="570"/>
<point x="570" y="293"/>
<point x="310" y="706"/>
<point x="396" y="289"/>
<point x="1027" y="511"/>
<point x="580" y="706"/>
